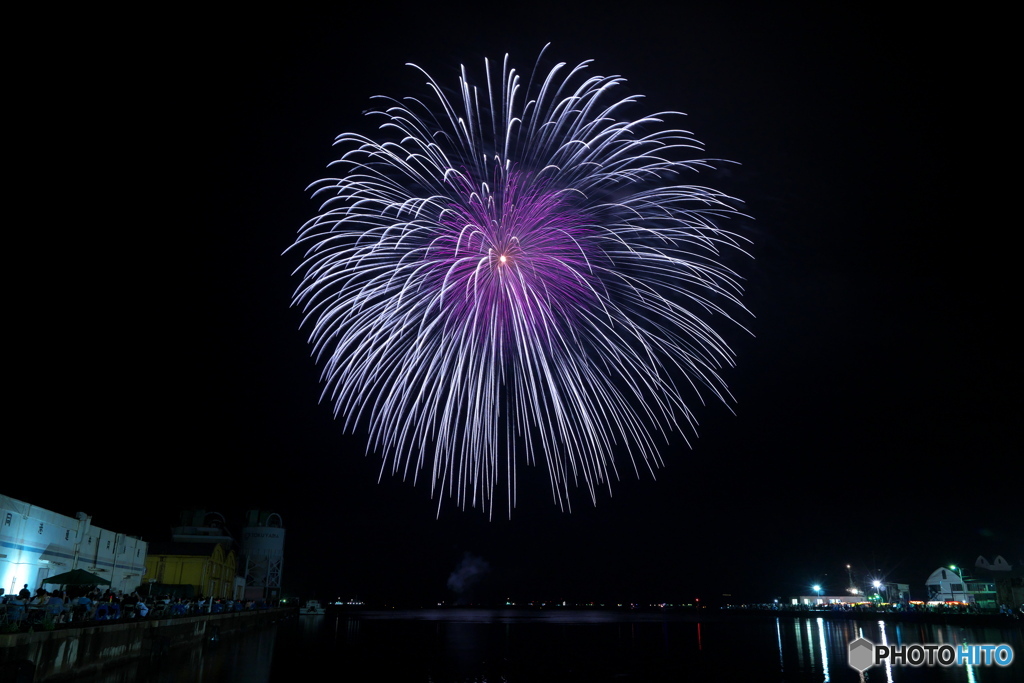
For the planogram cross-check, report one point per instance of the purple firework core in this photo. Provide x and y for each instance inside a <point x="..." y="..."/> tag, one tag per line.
<point x="511" y="260"/>
<point x="515" y="274"/>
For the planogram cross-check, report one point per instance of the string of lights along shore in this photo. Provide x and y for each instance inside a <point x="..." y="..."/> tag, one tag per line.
<point x="515" y="273"/>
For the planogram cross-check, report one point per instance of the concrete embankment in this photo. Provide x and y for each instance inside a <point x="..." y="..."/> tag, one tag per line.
<point x="66" y="653"/>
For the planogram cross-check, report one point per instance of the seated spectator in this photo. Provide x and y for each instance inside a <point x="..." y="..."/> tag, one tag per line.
<point x="15" y="609"/>
<point x="79" y="607"/>
<point x="55" y="607"/>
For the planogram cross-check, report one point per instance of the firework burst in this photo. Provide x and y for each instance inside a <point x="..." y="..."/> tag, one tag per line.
<point x="515" y="274"/>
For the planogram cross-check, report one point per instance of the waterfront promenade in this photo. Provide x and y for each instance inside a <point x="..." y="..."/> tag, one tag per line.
<point x="65" y="653"/>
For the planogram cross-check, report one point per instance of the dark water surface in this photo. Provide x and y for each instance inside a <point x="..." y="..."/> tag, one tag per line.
<point x="519" y="646"/>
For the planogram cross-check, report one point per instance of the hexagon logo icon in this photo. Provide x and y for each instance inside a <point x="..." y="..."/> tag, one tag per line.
<point x="861" y="654"/>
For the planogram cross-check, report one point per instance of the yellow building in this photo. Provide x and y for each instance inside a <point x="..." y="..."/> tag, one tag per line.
<point x="192" y="569"/>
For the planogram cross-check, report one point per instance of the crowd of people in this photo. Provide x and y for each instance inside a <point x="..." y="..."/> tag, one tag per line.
<point x="96" y="605"/>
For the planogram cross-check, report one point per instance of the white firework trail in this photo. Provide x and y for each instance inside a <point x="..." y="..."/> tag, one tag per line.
<point x="515" y="274"/>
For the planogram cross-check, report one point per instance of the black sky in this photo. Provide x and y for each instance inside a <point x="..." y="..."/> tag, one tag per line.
<point x="159" y="365"/>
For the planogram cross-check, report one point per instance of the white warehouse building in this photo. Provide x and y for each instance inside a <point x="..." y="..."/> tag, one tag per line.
<point x="36" y="543"/>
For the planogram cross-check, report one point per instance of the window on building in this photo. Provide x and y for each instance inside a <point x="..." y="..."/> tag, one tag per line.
<point x="956" y="587"/>
<point x="40" y="527"/>
<point x="67" y="534"/>
<point x="7" y="519"/>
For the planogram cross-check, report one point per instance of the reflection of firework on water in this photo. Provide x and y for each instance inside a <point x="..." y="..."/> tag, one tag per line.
<point x="515" y="274"/>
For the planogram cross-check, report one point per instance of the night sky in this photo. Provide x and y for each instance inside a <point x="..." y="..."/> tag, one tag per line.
<point x="158" y="364"/>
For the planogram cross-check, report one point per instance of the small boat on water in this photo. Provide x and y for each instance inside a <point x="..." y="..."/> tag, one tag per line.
<point x="313" y="607"/>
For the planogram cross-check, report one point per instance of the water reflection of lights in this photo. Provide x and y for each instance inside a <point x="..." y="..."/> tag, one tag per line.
<point x="778" y="635"/>
<point x="824" y="653"/>
<point x="799" y="648"/>
<point x="860" y="634"/>
<point x="816" y="649"/>
<point x="810" y="641"/>
<point x="885" y="641"/>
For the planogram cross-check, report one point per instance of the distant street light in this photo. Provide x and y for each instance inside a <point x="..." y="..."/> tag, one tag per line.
<point x="817" y="588"/>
